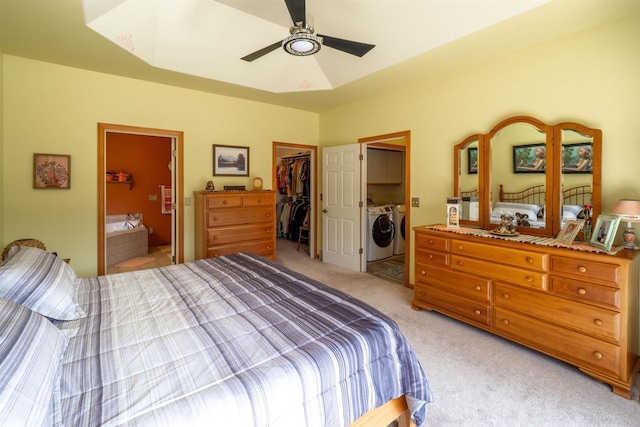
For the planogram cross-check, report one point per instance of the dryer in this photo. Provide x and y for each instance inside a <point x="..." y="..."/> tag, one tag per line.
<point x="398" y="219"/>
<point x="381" y="232"/>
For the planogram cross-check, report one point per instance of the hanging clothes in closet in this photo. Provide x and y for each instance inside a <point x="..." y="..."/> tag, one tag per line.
<point x="293" y="176"/>
<point x="291" y="216"/>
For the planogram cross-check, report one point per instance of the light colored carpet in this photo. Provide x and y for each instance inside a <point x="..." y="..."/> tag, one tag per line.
<point x="479" y="379"/>
<point x="134" y="262"/>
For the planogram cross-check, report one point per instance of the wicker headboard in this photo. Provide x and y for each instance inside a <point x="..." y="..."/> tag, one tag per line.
<point x="470" y="193"/>
<point x="578" y="195"/>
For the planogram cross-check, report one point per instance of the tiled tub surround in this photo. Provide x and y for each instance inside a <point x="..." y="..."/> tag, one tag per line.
<point x="123" y="242"/>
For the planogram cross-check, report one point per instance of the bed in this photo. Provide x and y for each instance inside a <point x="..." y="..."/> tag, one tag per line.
<point x="531" y="201"/>
<point x="236" y="338"/>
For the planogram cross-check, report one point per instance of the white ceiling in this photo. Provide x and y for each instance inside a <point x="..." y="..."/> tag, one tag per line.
<point x="198" y="44"/>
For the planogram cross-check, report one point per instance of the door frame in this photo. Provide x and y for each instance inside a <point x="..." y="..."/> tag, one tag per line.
<point x="177" y="178"/>
<point x="313" y="229"/>
<point x="382" y="141"/>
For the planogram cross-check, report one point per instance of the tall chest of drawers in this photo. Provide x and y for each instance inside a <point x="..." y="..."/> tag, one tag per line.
<point x="578" y="306"/>
<point x="235" y="221"/>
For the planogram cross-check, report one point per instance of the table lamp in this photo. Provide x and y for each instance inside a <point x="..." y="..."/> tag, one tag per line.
<point x="628" y="210"/>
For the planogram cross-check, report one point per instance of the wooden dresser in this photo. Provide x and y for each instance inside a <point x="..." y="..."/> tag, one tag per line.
<point x="578" y="306"/>
<point x="235" y="221"/>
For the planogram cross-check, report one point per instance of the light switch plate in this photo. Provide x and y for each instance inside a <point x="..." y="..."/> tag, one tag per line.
<point x="153" y="197"/>
<point x="415" y="202"/>
<point x="187" y="201"/>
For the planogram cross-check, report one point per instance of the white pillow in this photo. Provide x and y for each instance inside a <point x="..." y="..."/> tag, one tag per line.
<point x="571" y="211"/>
<point x="31" y="349"/>
<point x="42" y="282"/>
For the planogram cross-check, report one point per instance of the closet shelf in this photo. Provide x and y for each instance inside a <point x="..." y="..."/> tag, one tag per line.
<point x="129" y="183"/>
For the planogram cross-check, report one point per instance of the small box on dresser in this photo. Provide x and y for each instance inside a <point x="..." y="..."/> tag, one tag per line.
<point x="235" y="221"/>
<point x="578" y="306"/>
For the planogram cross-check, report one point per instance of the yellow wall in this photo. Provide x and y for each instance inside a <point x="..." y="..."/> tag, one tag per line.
<point x="55" y="109"/>
<point x="592" y="77"/>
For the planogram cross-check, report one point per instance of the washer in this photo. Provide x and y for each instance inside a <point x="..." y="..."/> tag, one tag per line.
<point x="381" y="230"/>
<point x="398" y="219"/>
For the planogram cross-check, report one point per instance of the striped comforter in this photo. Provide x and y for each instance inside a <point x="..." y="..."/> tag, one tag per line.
<point x="235" y="340"/>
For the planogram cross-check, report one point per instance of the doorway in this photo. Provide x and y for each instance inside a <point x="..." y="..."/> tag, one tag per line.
<point x="145" y="180"/>
<point x="296" y="199"/>
<point x="388" y="194"/>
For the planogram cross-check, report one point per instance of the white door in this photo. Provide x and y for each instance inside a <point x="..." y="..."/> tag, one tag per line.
<point x="341" y="211"/>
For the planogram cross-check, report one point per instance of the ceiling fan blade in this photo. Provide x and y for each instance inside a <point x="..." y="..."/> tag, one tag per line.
<point x="348" y="46"/>
<point x="297" y="10"/>
<point x="259" y="53"/>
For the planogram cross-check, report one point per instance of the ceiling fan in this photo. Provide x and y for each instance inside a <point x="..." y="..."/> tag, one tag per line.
<point x="303" y="41"/>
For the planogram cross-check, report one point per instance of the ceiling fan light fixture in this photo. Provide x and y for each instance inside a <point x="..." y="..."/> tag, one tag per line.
<point x="302" y="41"/>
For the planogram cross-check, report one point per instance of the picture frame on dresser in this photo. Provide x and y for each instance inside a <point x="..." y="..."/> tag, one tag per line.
<point x="230" y="160"/>
<point x="570" y="230"/>
<point x="604" y="232"/>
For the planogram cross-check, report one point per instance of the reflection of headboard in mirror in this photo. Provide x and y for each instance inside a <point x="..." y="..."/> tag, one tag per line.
<point x="470" y="193"/>
<point x="497" y="163"/>
<point x="534" y="195"/>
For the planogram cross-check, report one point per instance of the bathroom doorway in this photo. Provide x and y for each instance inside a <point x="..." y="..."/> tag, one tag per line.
<point x="140" y="219"/>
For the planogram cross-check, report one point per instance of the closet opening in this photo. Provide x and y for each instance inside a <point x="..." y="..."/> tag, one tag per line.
<point x="295" y="183"/>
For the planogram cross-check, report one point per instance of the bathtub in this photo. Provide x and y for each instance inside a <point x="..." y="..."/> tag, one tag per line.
<point x="115" y="227"/>
<point x="125" y="243"/>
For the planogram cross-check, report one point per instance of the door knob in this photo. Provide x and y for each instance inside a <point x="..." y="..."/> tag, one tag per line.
<point x="324" y="211"/>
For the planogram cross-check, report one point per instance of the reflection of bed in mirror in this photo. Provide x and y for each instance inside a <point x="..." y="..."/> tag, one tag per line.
<point x="531" y="201"/>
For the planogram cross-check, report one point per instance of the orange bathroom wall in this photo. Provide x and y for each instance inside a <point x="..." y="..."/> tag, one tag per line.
<point x="147" y="159"/>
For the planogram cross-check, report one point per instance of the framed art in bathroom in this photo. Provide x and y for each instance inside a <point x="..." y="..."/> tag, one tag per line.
<point x="230" y="160"/>
<point x="51" y="171"/>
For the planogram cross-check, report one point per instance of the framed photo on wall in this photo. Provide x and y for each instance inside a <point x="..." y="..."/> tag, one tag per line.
<point x="472" y="160"/>
<point x="577" y="158"/>
<point x="51" y="171"/>
<point x="604" y="232"/>
<point x="529" y="158"/>
<point x="230" y="160"/>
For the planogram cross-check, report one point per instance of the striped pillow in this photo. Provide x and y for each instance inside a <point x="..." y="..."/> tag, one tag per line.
<point x="41" y="282"/>
<point x="31" y="349"/>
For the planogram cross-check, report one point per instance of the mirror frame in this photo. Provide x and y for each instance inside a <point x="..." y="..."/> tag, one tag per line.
<point x="457" y="164"/>
<point x="553" y="174"/>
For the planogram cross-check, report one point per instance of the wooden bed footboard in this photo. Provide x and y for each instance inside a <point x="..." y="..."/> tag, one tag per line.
<point x="395" y="409"/>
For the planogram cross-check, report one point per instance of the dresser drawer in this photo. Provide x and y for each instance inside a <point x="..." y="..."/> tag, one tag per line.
<point x="224" y="235"/>
<point x="473" y="286"/>
<point x="588" y="270"/>
<point x="426" y="256"/>
<point x="571" y="346"/>
<point x="264" y="248"/>
<point x="259" y="199"/>
<point x="224" y="201"/>
<point x="580" y="290"/>
<point x="474" y="311"/>
<point x="430" y="242"/>
<point x="595" y="321"/>
<point x="224" y="217"/>
<point x="515" y="257"/>
<point x="519" y="276"/>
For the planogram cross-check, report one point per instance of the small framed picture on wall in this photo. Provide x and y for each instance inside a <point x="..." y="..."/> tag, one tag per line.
<point x="51" y="171"/>
<point x="230" y="161"/>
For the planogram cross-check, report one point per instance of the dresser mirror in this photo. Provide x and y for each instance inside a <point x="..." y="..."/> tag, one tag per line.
<point x="523" y="173"/>
<point x="467" y="164"/>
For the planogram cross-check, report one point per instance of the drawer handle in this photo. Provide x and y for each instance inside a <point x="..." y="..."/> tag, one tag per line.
<point x="582" y="269"/>
<point x="430" y="242"/>
<point x="582" y="291"/>
<point x="598" y="322"/>
<point x="597" y="355"/>
<point x="529" y="279"/>
<point x="459" y="247"/>
<point x="505" y="296"/>
<point x="215" y="218"/>
<point x="259" y="200"/>
<point x="423" y="292"/>
<point x="215" y="237"/>
<point x="268" y="215"/>
<point x="478" y="288"/>
<point x="529" y="260"/>
<point x="460" y="263"/>
<point x="430" y="256"/>
<point x="268" y="248"/>
<point x="476" y="311"/>
<point x="224" y="202"/>
<point x="424" y="273"/>
<point x="505" y="321"/>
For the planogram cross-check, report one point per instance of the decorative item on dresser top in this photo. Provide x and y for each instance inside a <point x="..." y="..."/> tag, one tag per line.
<point x="629" y="211"/>
<point x="237" y="221"/>
<point x="573" y="302"/>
